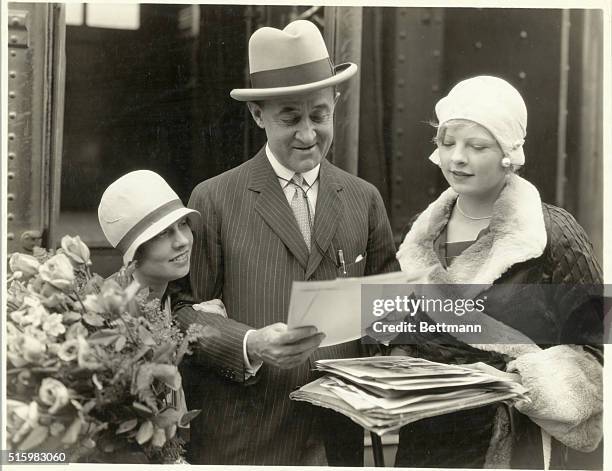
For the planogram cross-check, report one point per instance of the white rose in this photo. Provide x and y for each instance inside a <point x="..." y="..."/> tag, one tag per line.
<point x="76" y="249"/>
<point x="26" y="264"/>
<point x="58" y="272"/>
<point x="54" y="394"/>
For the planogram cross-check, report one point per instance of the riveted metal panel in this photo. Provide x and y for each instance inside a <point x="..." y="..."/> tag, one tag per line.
<point x="32" y="123"/>
<point x="522" y="46"/>
<point x="416" y="88"/>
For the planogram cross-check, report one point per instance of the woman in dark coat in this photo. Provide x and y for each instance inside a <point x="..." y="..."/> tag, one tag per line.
<point x="490" y="228"/>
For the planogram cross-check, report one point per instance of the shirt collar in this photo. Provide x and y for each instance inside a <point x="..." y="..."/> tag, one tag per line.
<point x="286" y="174"/>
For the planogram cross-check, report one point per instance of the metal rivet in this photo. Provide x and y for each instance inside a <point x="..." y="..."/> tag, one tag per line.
<point x="402" y="34"/>
<point x="14" y="39"/>
<point x="10" y="216"/>
<point x="435" y="87"/>
<point x="12" y="115"/>
<point x="15" y="21"/>
<point x="436" y="53"/>
<point x="401" y="58"/>
<point x="13" y="53"/>
<point x="12" y="74"/>
<point x="522" y="75"/>
<point x="10" y="236"/>
<point x="398" y="204"/>
<point x="400" y="131"/>
<point x="12" y="94"/>
<point x="478" y="45"/>
<point x="10" y="197"/>
<point x="426" y="18"/>
<point x="400" y="107"/>
<point x="11" y="136"/>
<point x="10" y="175"/>
<point x="401" y="82"/>
<point x="399" y="179"/>
<point x="399" y="154"/>
<point x="11" y="155"/>
<point x="524" y="34"/>
<point x="431" y="190"/>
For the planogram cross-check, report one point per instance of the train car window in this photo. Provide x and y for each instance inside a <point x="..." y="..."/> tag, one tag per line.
<point x="75" y="14"/>
<point x="103" y="16"/>
<point x="117" y="16"/>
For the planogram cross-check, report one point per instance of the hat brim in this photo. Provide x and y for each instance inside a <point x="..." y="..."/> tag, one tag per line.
<point x="342" y="72"/>
<point x="158" y="226"/>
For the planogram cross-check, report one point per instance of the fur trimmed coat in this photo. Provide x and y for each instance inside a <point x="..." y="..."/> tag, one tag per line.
<point x="528" y="243"/>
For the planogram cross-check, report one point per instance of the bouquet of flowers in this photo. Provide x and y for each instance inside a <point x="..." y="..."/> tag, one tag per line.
<point x="92" y="364"/>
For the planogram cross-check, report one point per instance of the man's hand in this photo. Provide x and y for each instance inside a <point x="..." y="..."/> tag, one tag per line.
<point x="283" y="347"/>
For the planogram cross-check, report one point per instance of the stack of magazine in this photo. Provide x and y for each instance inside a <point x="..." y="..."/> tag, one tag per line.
<point x="385" y="393"/>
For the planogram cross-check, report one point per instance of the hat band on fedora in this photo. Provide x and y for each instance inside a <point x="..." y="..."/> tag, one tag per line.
<point x="155" y="215"/>
<point x="295" y="75"/>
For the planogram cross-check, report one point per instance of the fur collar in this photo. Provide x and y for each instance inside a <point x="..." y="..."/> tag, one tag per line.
<point x="516" y="234"/>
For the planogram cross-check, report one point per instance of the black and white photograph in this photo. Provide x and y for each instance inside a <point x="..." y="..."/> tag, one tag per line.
<point x="281" y="235"/>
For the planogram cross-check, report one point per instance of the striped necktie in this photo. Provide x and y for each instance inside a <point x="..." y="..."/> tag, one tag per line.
<point x="299" y="205"/>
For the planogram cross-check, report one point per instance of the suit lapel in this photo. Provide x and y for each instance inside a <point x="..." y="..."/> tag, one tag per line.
<point x="272" y="206"/>
<point x="326" y="215"/>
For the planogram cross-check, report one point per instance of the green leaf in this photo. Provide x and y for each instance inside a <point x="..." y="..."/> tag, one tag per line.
<point x="126" y="426"/>
<point x="72" y="433"/>
<point x="166" y="418"/>
<point x="38" y="435"/>
<point x="145" y="432"/>
<point x="93" y="319"/>
<point x="70" y="317"/>
<point x="145" y="336"/>
<point x="163" y="353"/>
<point x="142" y="408"/>
<point x="103" y="337"/>
<point x="189" y="416"/>
<point x="168" y="374"/>
<point x="120" y="343"/>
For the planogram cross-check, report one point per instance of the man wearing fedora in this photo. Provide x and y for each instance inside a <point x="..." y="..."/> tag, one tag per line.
<point x="285" y="215"/>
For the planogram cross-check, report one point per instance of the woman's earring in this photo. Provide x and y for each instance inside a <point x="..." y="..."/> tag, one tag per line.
<point x="505" y="162"/>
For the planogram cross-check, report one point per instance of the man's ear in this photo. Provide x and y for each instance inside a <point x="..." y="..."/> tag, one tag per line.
<point x="255" y="110"/>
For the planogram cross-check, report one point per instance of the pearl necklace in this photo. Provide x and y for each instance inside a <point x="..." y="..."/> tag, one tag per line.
<point x="470" y="217"/>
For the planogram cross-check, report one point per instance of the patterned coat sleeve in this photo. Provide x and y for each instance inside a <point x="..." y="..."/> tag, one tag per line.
<point x="576" y="273"/>
<point x="223" y="349"/>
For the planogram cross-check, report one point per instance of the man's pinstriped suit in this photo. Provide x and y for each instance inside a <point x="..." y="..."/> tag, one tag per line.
<point x="248" y="251"/>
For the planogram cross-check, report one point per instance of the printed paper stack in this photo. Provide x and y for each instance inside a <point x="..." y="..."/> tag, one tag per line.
<point x="384" y="393"/>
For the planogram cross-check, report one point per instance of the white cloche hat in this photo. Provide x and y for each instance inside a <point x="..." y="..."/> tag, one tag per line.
<point x="492" y="103"/>
<point x="137" y="207"/>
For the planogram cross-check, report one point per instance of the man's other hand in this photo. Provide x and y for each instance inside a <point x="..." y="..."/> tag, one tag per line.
<point x="283" y="347"/>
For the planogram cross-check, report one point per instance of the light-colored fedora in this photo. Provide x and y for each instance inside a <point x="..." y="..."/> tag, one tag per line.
<point x="137" y="207"/>
<point x="288" y="62"/>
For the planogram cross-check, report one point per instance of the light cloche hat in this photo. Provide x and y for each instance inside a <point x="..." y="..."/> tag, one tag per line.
<point x="288" y="62"/>
<point x="492" y="103"/>
<point x="137" y="207"/>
